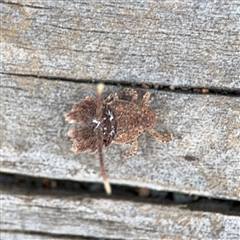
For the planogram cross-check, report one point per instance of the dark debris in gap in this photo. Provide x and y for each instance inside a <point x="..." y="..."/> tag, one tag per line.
<point x="72" y="188"/>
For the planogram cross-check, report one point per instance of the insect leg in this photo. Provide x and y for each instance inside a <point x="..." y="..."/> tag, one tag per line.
<point x="159" y="137"/>
<point x="128" y="92"/>
<point x="146" y="98"/>
<point x="111" y="97"/>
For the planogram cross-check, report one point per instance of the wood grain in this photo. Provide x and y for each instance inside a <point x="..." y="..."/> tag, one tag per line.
<point x="84" y="216"/>
<point x="49" y="48"/>
<point x="170" y="43"/>
<point x="202" y="159"/>
<point x="19" y="235"/>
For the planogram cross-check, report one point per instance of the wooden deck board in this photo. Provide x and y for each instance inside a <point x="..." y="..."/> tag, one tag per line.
<point x="85" y="216"/>
<point x="202" y="159"/>
<point x="49" y="48"/>
<point x="176" y="44"/>
<point x="19" y="235"/>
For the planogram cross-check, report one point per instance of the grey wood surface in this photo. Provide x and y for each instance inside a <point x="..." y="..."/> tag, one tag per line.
<point x="85" y="216"/>
<point x="202" y="159"/>
<point x="171" y="43"/>
<point x="19" y="235"/>
<point x="49" y="48"/>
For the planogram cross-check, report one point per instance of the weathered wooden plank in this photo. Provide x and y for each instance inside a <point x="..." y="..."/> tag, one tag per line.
<point x="34" y="236"/>
<point x="114" y="219"/>
<point x="173" y="43"/>
<point x="202" y="159"/>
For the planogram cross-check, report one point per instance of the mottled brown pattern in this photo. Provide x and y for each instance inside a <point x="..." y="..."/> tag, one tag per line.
<point x="122" y="122"/>
<point x="101" y="123"/>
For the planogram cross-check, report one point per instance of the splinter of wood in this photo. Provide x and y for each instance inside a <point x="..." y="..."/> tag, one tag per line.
<point x="103" y="122"/>
<point x="99" y="136"/>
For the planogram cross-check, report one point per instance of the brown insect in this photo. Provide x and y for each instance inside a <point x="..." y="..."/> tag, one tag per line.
<point x="103" y="122"/>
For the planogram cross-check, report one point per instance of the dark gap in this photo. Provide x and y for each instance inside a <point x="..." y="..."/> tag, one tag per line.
<point x="54" y="235"/>
<point x="23" y="5"/>
<point x="68" y="188"/>
<point x="125" y="84"/>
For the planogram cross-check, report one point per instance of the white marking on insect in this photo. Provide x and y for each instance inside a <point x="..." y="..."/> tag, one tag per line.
<point x="111" y="115"/>
<point x="112" y="131"/>
<point x="96" y="122"/>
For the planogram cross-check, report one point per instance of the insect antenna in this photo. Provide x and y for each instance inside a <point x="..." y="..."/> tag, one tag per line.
<point x="100" y="138"/>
